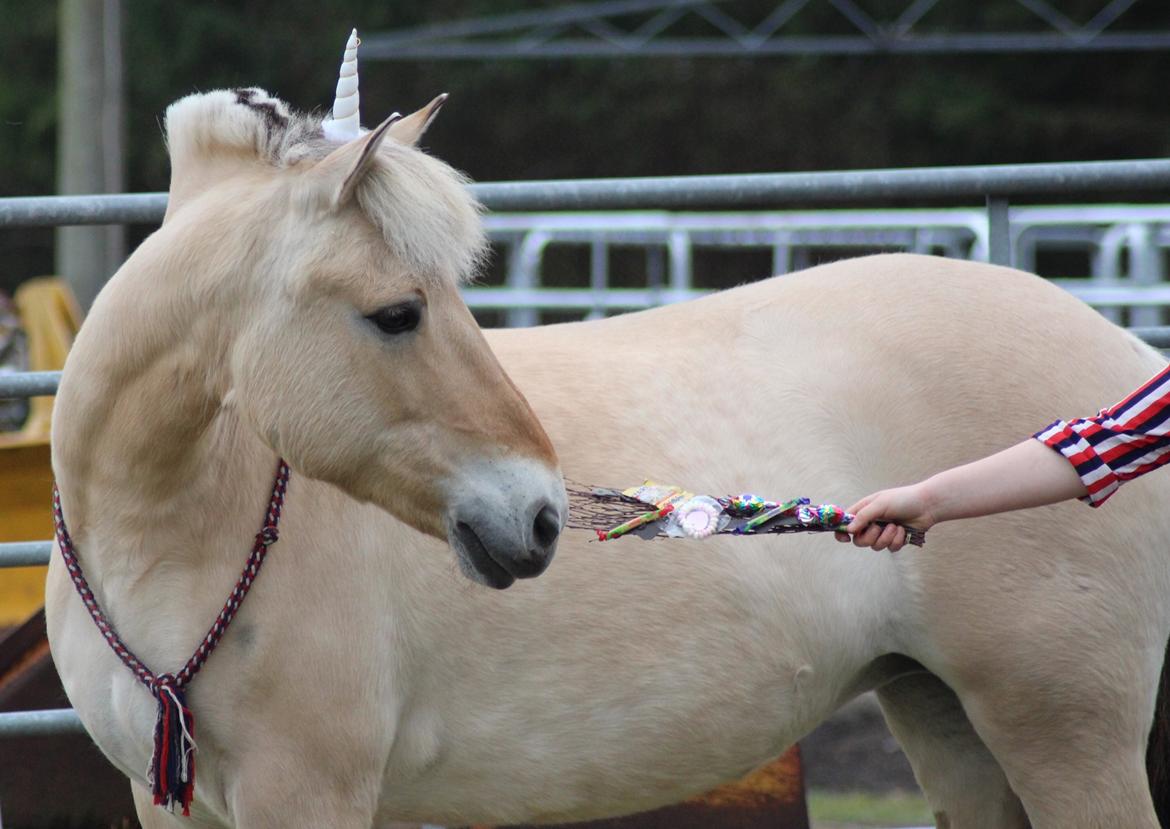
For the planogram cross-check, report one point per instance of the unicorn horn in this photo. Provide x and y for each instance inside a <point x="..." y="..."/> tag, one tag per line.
<point x="345" y="125"/>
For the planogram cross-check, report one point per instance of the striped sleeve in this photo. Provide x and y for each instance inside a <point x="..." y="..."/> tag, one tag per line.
<point x="1122" y="442"/>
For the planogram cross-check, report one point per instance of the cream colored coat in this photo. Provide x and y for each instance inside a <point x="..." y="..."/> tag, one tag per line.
<point x="367" y="680"/>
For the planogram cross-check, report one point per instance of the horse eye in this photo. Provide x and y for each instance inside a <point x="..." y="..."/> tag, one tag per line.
<point x="397" y="319"/>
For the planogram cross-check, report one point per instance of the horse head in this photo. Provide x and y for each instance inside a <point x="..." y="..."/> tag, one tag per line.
<point x="347" y="346"/>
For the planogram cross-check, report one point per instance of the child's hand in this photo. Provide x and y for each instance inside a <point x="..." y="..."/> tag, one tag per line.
<point x="905" y="505"/>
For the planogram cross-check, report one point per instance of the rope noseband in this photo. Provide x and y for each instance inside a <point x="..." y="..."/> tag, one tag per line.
<point x="172" y="764"/>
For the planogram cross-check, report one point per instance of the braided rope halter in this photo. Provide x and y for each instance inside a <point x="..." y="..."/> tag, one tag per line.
<point x="172" y="764"/>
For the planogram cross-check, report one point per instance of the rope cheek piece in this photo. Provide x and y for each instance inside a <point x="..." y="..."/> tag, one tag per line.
<point x="172" y="765"/>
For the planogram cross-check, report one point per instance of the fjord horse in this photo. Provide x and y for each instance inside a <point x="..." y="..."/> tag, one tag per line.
<point x="301" y="301"/>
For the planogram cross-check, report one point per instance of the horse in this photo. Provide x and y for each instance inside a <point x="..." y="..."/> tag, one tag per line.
<point x="300" y="300"/>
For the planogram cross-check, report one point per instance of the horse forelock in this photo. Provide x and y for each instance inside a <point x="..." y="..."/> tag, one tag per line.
<point x="425" y="212"/>
<point x="421" y="205"/>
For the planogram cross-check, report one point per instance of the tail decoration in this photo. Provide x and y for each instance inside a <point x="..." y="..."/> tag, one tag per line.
<point x="656" y="510"/>
<point x="345" y="123"/>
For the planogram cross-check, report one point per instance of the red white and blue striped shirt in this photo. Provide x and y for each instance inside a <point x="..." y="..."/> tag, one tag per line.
<point x="1122" y="442"/>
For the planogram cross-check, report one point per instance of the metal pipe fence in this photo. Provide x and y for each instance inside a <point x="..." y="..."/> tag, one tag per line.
<point x="1122" y="247"/>
<point x="976" y="183"/>
<point x="25" y="553"/>
<point x="47" y="723"/>
<point x="992" y="186"/>
<point x="29" y="384"/>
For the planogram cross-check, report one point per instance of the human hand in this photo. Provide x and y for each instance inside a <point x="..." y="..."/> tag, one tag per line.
<point x="906" y="505"/>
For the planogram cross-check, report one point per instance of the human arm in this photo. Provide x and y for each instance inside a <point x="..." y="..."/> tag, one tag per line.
<point x="1092" y="457"/>
<point x="1028" y="474"/>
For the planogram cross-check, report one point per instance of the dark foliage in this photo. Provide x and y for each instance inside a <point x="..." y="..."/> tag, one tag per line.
<point x="538" y="119"/>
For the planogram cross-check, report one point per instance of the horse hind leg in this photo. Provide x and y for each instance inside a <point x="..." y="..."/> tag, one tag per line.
<point x="962" y="781"/>
<point x="1076" y="754"/>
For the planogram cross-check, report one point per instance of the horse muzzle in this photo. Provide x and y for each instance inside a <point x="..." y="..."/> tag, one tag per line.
<point x="505" y="526"/>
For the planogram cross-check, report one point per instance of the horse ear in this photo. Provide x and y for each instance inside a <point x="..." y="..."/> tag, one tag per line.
<point x="411" y="128"/>
<point x="344" y="168"/>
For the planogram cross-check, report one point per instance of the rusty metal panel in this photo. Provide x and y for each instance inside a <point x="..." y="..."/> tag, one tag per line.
<point x="769" y="798"/>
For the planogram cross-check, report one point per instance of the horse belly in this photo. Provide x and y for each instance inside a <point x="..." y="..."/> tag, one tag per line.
<point x="575" y="777"/>
<point x="693" y="667"/>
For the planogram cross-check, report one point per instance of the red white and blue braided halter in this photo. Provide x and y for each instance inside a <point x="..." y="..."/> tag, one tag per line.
<point x="172" y="765"/>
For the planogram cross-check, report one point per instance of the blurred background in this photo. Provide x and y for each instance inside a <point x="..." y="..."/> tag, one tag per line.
<point x="627" y="88"/>
<point x="695" y="87"/>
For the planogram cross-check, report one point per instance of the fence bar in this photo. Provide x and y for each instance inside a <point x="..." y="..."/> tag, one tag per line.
<point x="1156" y="335"/>
<point x="680" y="192"/>
<point x="29" y="384"/>
<point x="40" y="723"/>
<point x="397" y="47"/>
<point x="47" y="211"/>
<point x="999" y="240"/>
<point x="766" y="189"/>
<point x="25" y="553"/>
<point x="574" y="299"/>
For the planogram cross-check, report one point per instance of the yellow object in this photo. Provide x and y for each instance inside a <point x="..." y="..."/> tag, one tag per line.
<point x="50" y="317"/>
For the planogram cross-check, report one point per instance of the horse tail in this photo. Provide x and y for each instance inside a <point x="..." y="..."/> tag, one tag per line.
<point x="1158" y="749"/>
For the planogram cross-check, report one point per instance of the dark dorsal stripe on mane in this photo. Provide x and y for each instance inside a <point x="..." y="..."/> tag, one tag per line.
<point x="422" y="206"/>
<point x="273" y="118"/>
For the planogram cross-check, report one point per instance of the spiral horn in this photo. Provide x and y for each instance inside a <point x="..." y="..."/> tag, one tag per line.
<point x="345" y="124"/>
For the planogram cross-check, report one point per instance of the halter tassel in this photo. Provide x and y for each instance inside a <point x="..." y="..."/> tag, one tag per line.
<point x="172" y="763"/>
<point x="172" y="766"/>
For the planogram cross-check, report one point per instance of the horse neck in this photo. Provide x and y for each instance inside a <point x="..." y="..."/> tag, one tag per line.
<point x="150" y="458"/>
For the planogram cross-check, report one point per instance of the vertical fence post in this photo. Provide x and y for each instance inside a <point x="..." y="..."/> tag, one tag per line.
<point x="598" y="275"/>
<point x="679" y="246"/>
<point x="999" y="239"/>
<point x="524" y="277"/>
<point x="655" y="272"/>
<point x="782" y="255"/>
<point x="90" y="140"/>
<point x="1145" y="269"/>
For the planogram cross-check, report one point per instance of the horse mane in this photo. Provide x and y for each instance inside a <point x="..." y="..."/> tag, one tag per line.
<point x="421" y="205"/>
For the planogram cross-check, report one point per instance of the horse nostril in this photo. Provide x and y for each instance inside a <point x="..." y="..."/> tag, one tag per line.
<point x="546" y="528"/>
